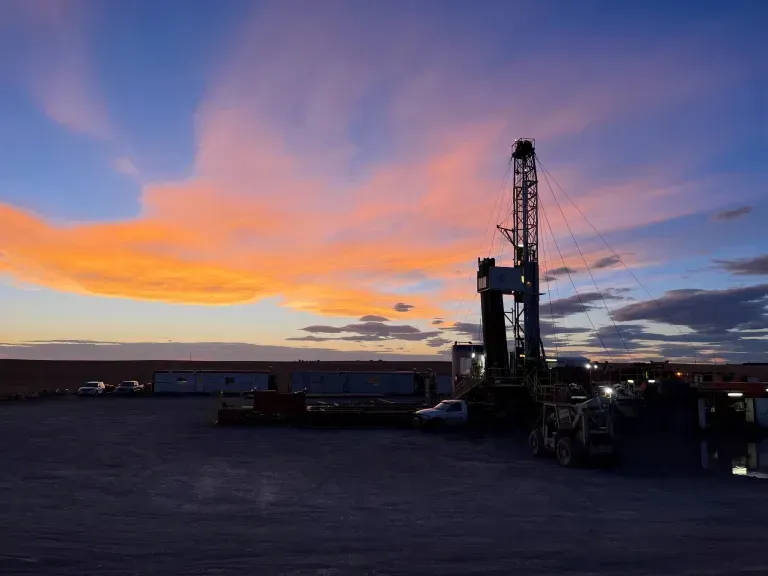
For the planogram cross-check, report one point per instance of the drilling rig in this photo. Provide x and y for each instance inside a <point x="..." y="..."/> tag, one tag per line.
<point x="517" y="383"/>
<point x="517" y="375"/>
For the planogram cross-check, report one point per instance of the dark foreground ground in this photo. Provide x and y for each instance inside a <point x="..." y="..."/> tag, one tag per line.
<point x="147" y="486"/>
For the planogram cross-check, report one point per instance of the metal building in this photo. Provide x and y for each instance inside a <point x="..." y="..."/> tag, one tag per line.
<point x="211" y="381"/>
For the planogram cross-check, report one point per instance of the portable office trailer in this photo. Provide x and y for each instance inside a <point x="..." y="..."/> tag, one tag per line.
<point x="211" y="381"/>
<point x="401" y="383"/>
<point x="385" y="383"/>
<point x="316" y="382"/>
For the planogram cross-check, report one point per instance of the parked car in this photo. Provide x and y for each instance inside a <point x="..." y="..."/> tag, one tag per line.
<point x="92" y="389"/>
<point x="128" y="387"/>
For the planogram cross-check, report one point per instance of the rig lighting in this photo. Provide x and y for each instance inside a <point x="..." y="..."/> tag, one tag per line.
<point x="588" y="366"/>
<point x="608" y="390"/>
<point x="630" y="381"/>
<point x="651" y="381"/>
<point x="473" y="354"/>
<point x="735" y="394"/>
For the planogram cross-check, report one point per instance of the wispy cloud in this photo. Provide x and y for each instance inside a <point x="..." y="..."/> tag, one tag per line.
<point x="733" y="213"/>
<point x="125" y="166"/>
<point x="53" y="58"/>
<point x="757" y="266"/>
<point x="370" y="331"/>
<point x="288" y="197"/>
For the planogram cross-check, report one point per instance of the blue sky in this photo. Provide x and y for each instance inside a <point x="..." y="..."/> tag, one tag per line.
<point x="269" y="173"/>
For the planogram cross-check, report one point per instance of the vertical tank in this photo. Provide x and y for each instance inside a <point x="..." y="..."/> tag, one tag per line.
<point x="467" y="359"/>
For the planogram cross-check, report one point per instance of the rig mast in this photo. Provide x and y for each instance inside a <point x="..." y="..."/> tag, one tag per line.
<point x="521" y="367"/>
<point x="524" y="236"/>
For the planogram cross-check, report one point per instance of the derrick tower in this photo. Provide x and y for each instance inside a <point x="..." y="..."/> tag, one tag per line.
<point x="521" y="365"/>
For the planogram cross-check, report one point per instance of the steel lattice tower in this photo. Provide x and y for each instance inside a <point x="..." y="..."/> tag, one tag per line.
<point x="528" y="356"/>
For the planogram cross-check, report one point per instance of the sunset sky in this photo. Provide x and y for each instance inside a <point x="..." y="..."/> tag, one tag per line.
<point x="315" y="179"/>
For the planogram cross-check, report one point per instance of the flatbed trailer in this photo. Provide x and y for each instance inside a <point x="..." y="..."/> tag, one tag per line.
<point x="394" y="415"/>
<point x="271" y="408"/>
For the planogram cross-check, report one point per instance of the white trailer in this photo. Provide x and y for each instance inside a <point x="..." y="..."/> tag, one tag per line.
<point x="207" y="382"/>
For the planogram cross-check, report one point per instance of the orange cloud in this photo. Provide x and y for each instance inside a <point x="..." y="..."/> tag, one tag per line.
<point x="241" y="231"/>
<point x="155" y="260"/>
<point x="216" y="240"/>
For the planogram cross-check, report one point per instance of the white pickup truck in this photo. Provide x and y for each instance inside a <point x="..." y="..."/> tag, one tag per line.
<point x="446" y="413"/>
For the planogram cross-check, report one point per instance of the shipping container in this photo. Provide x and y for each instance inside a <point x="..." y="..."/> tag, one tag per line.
<point x="402" y="383"/>
<point x="211" y="381"/>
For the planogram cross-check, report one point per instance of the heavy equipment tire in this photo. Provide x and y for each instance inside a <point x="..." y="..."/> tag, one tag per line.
<point x="536" y="442"/>
<point x="566" y="453"/>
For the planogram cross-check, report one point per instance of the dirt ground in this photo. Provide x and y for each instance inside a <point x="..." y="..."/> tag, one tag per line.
<point x="145" y="486"/>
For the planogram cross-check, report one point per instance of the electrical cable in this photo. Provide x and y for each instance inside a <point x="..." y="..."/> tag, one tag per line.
<point x="542" y="241"/>
<point x="568" y="272"/>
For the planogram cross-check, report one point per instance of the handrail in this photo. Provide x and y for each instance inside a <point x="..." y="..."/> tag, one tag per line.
<point x="464" y="386"/>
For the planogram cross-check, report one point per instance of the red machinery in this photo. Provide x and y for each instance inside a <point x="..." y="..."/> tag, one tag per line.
<point x="274" y="403"/>
<point x="269" y="406"/>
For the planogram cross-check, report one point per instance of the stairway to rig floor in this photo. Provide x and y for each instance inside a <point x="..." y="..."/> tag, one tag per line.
<point x="465" y="386"/>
